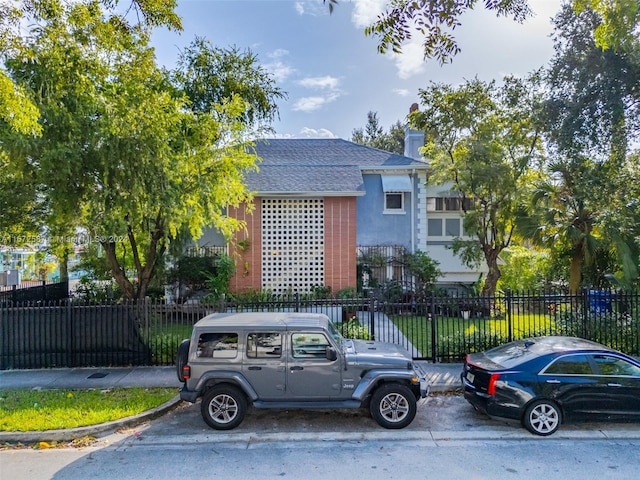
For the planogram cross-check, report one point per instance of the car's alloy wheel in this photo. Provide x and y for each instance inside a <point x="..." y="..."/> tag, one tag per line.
<point x="542" y="417"/>
<point x="393" y="405"/>
<point x="223" y="407"/>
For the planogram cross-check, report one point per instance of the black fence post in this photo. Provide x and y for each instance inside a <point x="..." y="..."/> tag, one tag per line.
<point x="585" y="316"/>
<point x="296" y="297"/>
<point x="508" y="299"/>
<point x="70" y="353"/>
<point x="372" y="315"/>
<point x="431" y="315"/>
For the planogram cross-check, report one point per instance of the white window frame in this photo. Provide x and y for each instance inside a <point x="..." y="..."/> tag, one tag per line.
<point x="394" y="211"/>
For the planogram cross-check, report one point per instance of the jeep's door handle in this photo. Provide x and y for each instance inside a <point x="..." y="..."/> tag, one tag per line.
<point x="553" y="381"/>
<point x="296" y="368"/>
<point x="614" y="384"/>
<point x="255" y="368"/>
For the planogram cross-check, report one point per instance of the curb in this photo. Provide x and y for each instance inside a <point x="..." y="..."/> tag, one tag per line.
<point x="69" y="434"/>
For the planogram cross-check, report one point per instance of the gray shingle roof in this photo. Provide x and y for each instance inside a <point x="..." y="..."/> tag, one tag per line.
<point x="318" y="166"/>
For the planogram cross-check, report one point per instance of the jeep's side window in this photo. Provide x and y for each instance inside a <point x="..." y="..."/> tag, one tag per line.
<point x="218" y="345"/>
<point x="264" y="345"/>
<point x="309" y="345"/>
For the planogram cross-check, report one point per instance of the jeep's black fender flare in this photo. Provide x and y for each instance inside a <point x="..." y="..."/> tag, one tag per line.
<point x="373" y="378"/>
<point x="221" y="376"/>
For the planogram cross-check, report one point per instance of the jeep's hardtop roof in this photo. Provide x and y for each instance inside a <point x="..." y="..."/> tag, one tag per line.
<point x="264" y="319"/>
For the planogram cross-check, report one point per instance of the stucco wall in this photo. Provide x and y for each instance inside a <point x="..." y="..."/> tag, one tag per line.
<point x="378" y="228"/>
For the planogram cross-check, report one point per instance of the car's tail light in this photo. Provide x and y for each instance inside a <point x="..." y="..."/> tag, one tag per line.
<point x="186" y="372"/>
<point x="491" y="389"/>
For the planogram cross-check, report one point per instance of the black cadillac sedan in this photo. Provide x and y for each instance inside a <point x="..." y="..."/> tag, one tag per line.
<point x="545" y="381"/>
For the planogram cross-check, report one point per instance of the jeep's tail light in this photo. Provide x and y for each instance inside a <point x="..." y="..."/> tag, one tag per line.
<point x="186" y="372"/>
<point x="491" y="389"/>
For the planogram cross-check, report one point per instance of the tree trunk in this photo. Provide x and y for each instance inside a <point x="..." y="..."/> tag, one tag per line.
<point x="117" y="272"/>
<point x="491" y="257"/>
<point x="575" y="274"/>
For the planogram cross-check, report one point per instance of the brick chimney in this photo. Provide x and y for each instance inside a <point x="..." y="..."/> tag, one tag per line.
<point x="413" y="139"/>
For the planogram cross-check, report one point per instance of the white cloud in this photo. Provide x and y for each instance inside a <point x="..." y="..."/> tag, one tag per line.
<point x="326" y="82"/>
<point x="411" y="61"/>
<point x="403" y="92"/>
<point x="311" y="7"/>
<point x="365" y="12"/>
<point x="310" y="104"/>
<point x="279" y="69"/>
<point x="307" y="132"/>
<point x="278" y="53"/>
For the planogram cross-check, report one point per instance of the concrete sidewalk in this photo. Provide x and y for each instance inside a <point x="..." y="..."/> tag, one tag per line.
<point x="442" y="377"/>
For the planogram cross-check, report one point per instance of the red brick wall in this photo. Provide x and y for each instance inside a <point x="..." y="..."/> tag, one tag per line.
<point x="340" y="242"/>
<point x="248" y="263"/>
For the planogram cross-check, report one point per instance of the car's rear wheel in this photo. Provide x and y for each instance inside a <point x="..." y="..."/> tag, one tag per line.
<point x="393" y="405"/>
<point x="542" y="417"/>
<point x="223" y="407"/>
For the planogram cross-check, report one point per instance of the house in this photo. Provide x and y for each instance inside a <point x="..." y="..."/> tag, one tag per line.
<point x="316" y="201"/>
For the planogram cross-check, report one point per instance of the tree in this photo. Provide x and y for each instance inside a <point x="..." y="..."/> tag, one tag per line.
<point x="436" y="21"/>
<point x="593" y="107"/>
<point x="209" y="75"/>
<point x="373" y="135"/>
<point x="122" y="153"/>
<point x="562" y="216"/>
<point x="17" y="112"/>
<point x="484" y="140"/>
<point x="593" y="115"/>
<point x="524" y="269"/>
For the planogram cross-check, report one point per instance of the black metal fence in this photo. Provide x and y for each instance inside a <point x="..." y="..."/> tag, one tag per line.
<point x="435" y="328"/>
<point x="35" y="291"/>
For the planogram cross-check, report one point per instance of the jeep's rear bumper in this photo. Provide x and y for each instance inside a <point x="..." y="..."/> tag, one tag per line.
<point x="188" y="395"/>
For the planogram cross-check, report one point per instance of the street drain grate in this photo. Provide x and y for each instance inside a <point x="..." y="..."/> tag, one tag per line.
<point x="98" y="375"/>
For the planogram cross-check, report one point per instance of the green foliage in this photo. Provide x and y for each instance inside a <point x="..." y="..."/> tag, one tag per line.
<point x="424" y="269"/>
<point x="97" y="291"/>
<point x="620" y="19"/>
<point x="435" y="21"/>
<point x="193" y="271"/>
<point x="484" y="142"/>
<point x="124" y="152"/>
<point x="219" y="282"/>
<point x="352" y="328"/>
<point x="346" y="293"/>
<point x="524" y="269"/>
<point x="373" y="135"/>
<point x="209" y="75"/>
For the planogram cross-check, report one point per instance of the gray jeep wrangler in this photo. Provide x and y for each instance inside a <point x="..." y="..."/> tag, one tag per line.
<point x="293" y="360"/>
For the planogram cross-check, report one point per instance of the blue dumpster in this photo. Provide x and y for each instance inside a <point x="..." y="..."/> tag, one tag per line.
<point x="599" y="301"/>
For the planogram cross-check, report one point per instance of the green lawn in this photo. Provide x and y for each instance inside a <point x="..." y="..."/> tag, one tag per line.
<point x="34" y="410"/>
<point x="456" y="336"/>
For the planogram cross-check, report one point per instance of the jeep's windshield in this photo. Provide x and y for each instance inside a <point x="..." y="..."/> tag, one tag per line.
<point x="336" y="335"/>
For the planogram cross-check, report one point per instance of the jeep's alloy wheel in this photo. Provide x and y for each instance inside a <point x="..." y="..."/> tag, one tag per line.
<point x="393" y="405"/>
<point x="223" y="407"/>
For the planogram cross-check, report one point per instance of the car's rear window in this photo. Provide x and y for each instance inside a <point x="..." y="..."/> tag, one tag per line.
<point x="218" y="345"/>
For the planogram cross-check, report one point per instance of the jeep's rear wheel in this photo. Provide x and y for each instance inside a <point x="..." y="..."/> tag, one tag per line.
<point x="223" y="407"/>
<point x="182" y="358"/>
<point x="393" y="405"/>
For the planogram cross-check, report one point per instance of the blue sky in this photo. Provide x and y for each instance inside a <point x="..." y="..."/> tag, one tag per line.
<point x="332" y="72"/>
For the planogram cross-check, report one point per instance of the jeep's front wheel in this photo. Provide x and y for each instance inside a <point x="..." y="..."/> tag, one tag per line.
<point x="223" y="407"/>
<point x="393" y="405"/>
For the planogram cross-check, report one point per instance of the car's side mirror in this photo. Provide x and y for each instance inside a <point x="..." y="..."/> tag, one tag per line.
<point x="331" y="354"/>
